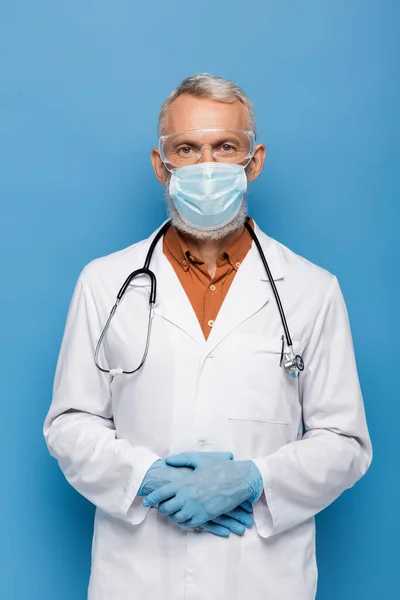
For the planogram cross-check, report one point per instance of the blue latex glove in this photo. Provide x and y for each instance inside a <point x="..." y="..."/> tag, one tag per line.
<point x="217" y="486"/>
<point x="160" y="474"/>
<point x="234" y="521"/>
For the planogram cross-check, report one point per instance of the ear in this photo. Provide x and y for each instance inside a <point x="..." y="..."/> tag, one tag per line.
<point x="158" y="166"/>
<point x="257" y="162"/>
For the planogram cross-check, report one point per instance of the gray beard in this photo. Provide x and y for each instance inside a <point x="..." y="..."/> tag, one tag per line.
<point x="201" y="234"/>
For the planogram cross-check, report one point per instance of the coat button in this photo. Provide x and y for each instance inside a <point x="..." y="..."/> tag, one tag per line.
<point x="201" y="444"/>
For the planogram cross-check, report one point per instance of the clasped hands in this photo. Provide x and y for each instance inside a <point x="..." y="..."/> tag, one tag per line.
<point x="207" y="490"/>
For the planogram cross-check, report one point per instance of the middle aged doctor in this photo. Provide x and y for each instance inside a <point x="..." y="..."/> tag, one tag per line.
<point x="208" y="463"/>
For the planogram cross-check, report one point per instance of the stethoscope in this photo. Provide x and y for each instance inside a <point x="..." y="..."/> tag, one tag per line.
<point x="293" y="363"/>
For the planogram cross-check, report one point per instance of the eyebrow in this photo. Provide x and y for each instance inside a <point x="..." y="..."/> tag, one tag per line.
<point x="216" y="140"/>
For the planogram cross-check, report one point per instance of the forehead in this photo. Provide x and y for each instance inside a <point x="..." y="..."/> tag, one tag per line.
<point x="189" y="112"/>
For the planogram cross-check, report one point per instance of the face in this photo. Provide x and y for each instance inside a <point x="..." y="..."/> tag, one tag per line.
<point x="189" y="112"/>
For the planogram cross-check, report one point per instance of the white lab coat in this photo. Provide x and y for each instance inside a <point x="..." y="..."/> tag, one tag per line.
<point x="226" y="393"/>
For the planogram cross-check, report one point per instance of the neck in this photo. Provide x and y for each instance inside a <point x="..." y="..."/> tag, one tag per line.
<point x="209" y="250"/>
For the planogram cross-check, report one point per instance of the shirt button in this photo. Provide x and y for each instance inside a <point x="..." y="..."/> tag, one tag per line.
<point x="210" y="323"/>
<point x="184" y="262"/>
<point x="212" y="287"/>
<point x="238" y="264"/>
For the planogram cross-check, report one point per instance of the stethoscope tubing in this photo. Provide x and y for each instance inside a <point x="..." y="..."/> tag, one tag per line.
<point x="145" y="270"/>
<point x="272" y="282"/>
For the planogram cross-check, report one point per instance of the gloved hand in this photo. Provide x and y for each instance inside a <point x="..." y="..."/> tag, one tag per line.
<point x="160" y="474"/>
<point x="234" y="521"/>
<point x="217" y="486"/>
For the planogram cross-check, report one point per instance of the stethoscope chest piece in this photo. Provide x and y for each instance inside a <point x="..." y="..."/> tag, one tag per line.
<point x="293" y="364"/>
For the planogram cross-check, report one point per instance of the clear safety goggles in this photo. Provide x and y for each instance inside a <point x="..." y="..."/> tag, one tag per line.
<point x="226" y="145"/>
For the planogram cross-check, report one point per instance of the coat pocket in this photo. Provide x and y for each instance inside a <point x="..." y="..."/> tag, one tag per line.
<point x="261" y="389"/>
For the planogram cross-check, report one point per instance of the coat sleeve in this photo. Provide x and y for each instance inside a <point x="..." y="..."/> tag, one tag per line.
<point x="305" y="476"/>
<point x="79" y="428"/>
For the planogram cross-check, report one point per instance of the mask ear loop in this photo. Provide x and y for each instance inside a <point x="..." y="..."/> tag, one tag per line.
<point x="166" y="169"/>
<point x="247" y="164"/>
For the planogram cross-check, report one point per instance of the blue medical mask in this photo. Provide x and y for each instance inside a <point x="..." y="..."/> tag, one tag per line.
<point x="208" y="195"/>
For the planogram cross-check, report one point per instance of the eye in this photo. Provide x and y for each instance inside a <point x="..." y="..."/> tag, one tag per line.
<point x="185" y="150"/>
<point x="227" y="148"/>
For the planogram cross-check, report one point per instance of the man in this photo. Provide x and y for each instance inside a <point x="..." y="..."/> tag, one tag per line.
<point x="220" y="426"/>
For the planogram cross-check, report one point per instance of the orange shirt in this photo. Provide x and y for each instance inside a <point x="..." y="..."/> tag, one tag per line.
<point x="206" y="294"/>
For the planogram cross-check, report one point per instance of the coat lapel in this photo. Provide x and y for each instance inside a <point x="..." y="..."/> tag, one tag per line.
<point x="172" y="301"/>
<point x="249" y="291"/>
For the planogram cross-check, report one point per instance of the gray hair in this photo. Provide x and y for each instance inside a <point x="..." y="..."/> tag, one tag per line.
<point x="204" y="85"/>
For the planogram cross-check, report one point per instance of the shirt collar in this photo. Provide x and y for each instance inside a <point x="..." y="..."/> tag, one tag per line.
<point x="181" y="253"/>
<point x="177" y="247"/>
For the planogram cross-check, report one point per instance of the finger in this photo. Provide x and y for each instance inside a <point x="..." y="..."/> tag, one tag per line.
<point x="247" y="506"/>
<point x="183" y="517"/>
<point x="184" y="459"/>
<point x="216" y="529"/>
<point x="192" y="459"/>
<point x="168" y="507"/>
<point x="242" y="516"/>
<point x="199" y="516"/>
<point x="163" y="493"/>
<point x="185" y="522"/>
<point x="192" y="514"/>
<point x="230" y="524"/>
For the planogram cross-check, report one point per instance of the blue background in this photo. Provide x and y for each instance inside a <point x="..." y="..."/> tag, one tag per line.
<point x="81" y="85"/>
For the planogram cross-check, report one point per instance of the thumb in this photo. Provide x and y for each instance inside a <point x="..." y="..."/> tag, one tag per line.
<point x="184" y="459"/>
<point x="195" y="459"/>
